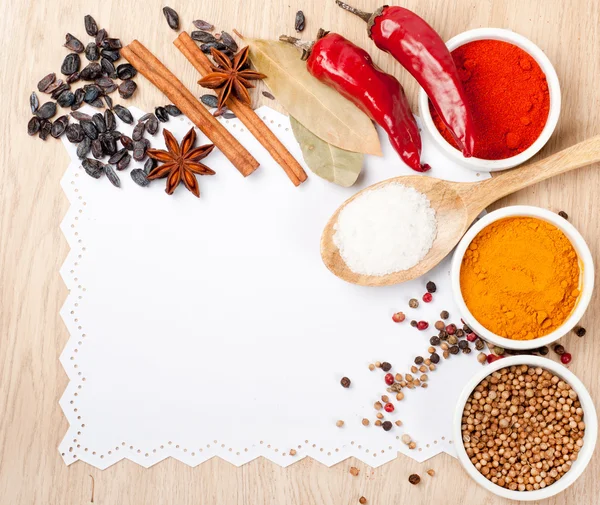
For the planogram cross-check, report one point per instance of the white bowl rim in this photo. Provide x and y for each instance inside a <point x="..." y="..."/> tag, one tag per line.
<point x="589" y="440"/>
<point x="479" y="164"/>
<point x="578" y="242"/>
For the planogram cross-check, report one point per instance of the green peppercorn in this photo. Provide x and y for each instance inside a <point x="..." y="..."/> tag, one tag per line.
<point x="498" y="350"/>
<point x="452" y="339"/>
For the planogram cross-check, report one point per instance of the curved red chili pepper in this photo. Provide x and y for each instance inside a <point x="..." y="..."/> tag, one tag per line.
<point x="348" y="69"/>
<point x="419" y="49"/>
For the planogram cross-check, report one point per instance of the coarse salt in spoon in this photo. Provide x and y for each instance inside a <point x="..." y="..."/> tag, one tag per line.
<point x="456" y="206"/>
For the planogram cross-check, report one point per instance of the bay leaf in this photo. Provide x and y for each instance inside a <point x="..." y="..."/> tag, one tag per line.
<point x="321" y="109"/>
<point x="325" y="160"/>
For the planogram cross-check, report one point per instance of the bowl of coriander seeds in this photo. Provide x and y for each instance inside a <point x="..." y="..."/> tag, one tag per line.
<point x="525" y="428"/>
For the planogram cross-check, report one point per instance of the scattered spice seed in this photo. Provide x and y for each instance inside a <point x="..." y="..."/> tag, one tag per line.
<point x="377" y="423"/>
<point x="362" y="500"/>
<point x="427" y="297"/>
<point x="339" y="423"/>
<point x="435" y="340"/>
<point x="563" y="214"/>
<point x="384" y="398"/>
<point x="386" y="367"/>
<point x="454" y="349"/>
<point x="345" y="382"/>
<point x="389" y="407"/>
<point x="431" y="472"/>
<point x="300" y="21"/>
<point x="431" y="287"/>
<point x="268" y="95"/>
<point x="203" y="25"/>
<point x="419" y="360"/>
<point x="371" y="367"/>
<point x="354" y="471"/>
<point x="365" y="422"/>
<point x="479" y="345"/>
<point x="413" y="323"/>
<point x="413" y="303"/>
<point x="580" y="331"/>
<point x="471" y="337"/>
<point x="422" y="325"/>
<point x="292" y="452"/>
<point x="387" y="425"/>
<point x="439" y="325"/>
<point x="406" y="439"/>
<point x="398" y="423"/>
<point x="399" y="396"/>
<point x="412" y="446"/>
<point x="566" y="358"/>
<point x="389" y="379"/>
<point x="377" y="406"/>
<point x="378" y="364"/>
<point x="451" y="329"/>
<point x="435" y="358"/>
<point x="172" y="18"/>
<point x="559" y="349"/>
<point x="398" y="317"/>
<point x="444" y="314"/>
<point x="492" y="357"/>
<point x="482" y="358"/>
<point x="498" y="350"/>
<point x="543" y="350"/>
<point x="414" y="479"/>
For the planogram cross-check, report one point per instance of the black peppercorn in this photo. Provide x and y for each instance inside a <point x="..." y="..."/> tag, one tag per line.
<point x="563" y="214"/>
<point x="434" y="340"/>
<point x="435" y="357"/>
<point x="463" y="344"/>
<point x="479" y="345"/>
<point x="460" y="333"/>
<point x="559" y="349"/>
<point x="386" y="425"/>
<point x="454" y="349"/>
<point x="466" y="350"/>
<point x="466" y="329"/>
<point x="431" y="287"/>
<point x="443" y="334"/>
<point x="580" y="331"/>
<point x="386" y="367"/>
<point x="345" y="382"/>
<point x="543" y="350"/>
<point x="418" y="360"/>
<point x="413" y="323"/>
<point x="414" y="479"/>
<point x="444" y="314"/>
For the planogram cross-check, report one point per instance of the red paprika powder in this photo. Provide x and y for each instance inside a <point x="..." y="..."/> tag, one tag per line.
<point x="507" y="93"/>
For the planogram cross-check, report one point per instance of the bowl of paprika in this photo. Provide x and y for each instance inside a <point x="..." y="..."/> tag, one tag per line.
<point x="522" y="277"/>
<point x="513" y="94"/>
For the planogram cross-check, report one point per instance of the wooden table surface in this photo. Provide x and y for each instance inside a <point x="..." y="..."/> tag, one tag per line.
<point x="32" y="248"/>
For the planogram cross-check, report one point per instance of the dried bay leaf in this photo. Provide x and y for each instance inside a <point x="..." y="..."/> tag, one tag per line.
<point x="329" y="162"/>
<point x="319" y="108"/>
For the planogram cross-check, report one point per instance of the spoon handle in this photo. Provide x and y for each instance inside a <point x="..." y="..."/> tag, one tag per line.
<point x="479" y="196"/>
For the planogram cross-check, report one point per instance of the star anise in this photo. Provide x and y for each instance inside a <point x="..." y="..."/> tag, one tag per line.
<point x="230" y="77"/>
<point x="180" y="162"/>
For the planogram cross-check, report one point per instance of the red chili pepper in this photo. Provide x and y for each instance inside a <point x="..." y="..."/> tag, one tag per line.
<point x="419" y="49"/>
<point x="348" y="69"/>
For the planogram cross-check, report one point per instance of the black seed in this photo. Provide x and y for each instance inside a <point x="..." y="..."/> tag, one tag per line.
<point x="149" y="165"/>
<point x="229" y="115"/>
<point x="139" y="177"/>
<point x="123" y="114"/>
<point x="93" y="168"/>
<point x="146" y="116"/>
<point x="563" y="214"/>
<point x="138" y="131"/>
<point x="124" y="162"/>
<point x="127" y="88"/>
<point x="75" y="133"/>
<point x="204" y="37"/>
<point x="126" y="71"/>
<point x="219" y="46"/>
<point x="91" y="93"/>
<point x="203" y="25"/>
<point x="73" y="78"/>
<point x="116" y="157"/>
<point x="98" y="120"/>
<point x="268" y="95"/>
<point x="34" y="102"/>
<point x="66" y="99"/>
<point x="45" y="129"/>
<point x="84" y="147"/>
<point x="100" y="36"/>
<point x="79" y="94"/>
<point x="300" y="21"/>
<point x="91" y="71"/>
<point x="97" y="103"/>
<point x="126" y="142"/>
<point x="161" y="114"/>
<point x="112" y="44"/>
<point x="109" y="102"/>
<point x="91" y="27"/>
<point x="112" y="55"/>
<point x="107" y="84"/>
<point x="89" y="129"/>
<point x="229" y="42"/>
<point x="46" y="111"/>
<point x="108" y="67"/>
<point x="34" y="125"/>
<point x="112" y="176"/>
<point x="109" y="144"/>
<point x="59" y="126"/>
<point x="45" y="82"/>
<point x="92" y="53"/>
<point x="97" y="150"/>
<point x="109" y="120"/>
<point x="139" y="150"/>
<point x="172" y="110"/>
<point x="172" y="18"/>
<point x="54" y="86"/>
<point x="58" y="91"/>
<point x="152" y="125"/>
<point x="209" y="100"/>
<point x="70" y="64"/>
<point x="73" y="43"/>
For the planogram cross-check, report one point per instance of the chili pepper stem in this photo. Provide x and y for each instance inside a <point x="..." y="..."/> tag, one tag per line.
<point x="365" y="16"/>
<point x="305" y="46"/>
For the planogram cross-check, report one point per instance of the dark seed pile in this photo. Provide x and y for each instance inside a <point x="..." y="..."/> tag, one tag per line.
<point x="100" y="74"/>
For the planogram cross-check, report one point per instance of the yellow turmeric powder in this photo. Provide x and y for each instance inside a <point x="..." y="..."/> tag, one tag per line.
<point x="520" y="278"/>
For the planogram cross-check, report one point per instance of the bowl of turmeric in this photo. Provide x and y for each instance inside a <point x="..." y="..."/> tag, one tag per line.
<point x="522" y="277"/>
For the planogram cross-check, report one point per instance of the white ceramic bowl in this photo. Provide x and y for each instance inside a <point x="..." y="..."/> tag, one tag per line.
<point x="538" y="55"/>
<point x="586" y="279"/>
<point x="589" y="439"/>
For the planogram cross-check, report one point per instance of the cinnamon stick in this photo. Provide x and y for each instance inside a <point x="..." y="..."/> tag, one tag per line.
<point x="151" y="68"/>
<point x="246" y="115"/>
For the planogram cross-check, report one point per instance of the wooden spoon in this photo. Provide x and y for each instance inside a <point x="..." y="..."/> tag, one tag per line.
<point x="456" y="205"/>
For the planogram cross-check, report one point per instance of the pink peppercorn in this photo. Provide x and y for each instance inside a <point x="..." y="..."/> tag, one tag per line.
<point x="493" y="357"/>
<point x="451" y="329"/>
<point x="427" y="297"/>
<point x="471" y="337"/>
<point x="422" y="325"/>
<point x="398" y="317"/>
<point x="389" y="379"/>
<point x="389" y="407"/>
<point x="566" y="358"/>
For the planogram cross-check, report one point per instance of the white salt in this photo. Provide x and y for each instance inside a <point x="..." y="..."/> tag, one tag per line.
<point x="385" y="230"/>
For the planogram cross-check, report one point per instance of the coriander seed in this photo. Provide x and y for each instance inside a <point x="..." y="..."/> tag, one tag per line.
<point x="354" y="471"/>
<point x="446" y="354"/>
<point x="423" y="368"/>
<point x="365" y="422"/>
<point x="378" y="364"/>
<point x="377" y="405"/>
<point x="439" y="325"/>
<point x="412" y="446"/>
<point x="384" y="398"/>
<point x="398" y="423"/>
<point x="371" y="367"/>
<point x="406" y="439"/>
<point x="499" y="351"/>
<point x="414" y="369"/>
<point x="399" y="396"/>
<point x="292" y="452"/>
<point x="452" y="339"/>
<point x="377" y="422"/>
<point x="339" y="423"/>
<point x="431" y="472"/>
<point x="362" y="500"/>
